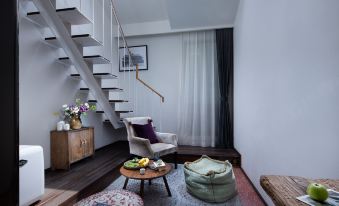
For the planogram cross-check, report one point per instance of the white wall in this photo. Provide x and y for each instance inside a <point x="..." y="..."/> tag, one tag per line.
<point x="164" y="64"/>
<point x="287" y="88"/>
<point x="44" y="87"/>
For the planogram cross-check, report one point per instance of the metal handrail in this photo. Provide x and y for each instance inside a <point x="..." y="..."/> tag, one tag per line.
<point x="130" y="56"/>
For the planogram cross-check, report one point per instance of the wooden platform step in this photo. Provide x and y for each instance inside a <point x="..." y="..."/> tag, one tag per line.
<point x="86" y="177"/>
<point x="192" y="153"/>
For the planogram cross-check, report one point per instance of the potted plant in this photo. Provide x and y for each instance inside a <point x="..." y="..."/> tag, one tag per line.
<point x="73" y="112"/>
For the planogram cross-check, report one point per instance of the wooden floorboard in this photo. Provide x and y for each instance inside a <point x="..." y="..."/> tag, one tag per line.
<point x="94" y="174"/>
<point x="66" y="187"/>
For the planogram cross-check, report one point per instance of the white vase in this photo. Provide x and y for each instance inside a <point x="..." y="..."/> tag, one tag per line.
<point x="60" y="125"/>
<point x="67" y="127"/>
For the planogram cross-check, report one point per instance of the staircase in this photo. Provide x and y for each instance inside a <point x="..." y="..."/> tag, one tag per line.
<point x="61" y="21"/>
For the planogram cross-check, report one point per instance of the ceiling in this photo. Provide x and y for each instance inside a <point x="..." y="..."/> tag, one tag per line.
<point x="201" y="13"/>
<point x="139" y="11"/>
<point x="176" y="14"/>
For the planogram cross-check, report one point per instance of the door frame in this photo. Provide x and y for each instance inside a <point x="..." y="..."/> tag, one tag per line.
<point x="9" y="83"/>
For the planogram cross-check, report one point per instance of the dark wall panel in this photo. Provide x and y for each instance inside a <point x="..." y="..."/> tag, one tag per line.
<point x="9" y="126"/>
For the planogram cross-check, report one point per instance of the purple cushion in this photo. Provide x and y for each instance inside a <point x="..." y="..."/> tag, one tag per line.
<point x="145" y="131"/>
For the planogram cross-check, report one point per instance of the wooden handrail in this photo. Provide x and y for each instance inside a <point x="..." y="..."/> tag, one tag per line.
<point x="130" y="56"/>
<point x="148" y="86"/>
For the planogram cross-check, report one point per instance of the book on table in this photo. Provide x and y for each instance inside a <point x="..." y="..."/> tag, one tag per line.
<point x="158" y="165"/>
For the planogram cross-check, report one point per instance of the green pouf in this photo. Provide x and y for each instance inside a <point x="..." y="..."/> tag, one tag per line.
<point x="210" y="180"/>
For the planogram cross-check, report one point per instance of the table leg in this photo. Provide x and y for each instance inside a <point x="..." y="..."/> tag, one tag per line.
<point x="150" y="182"/>
<point x="142" y="188"/>
<point x="125" y="184"/>
<point x="167" y="187"/>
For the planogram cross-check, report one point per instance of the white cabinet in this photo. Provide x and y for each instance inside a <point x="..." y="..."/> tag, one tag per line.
<point x="31" y="174"/>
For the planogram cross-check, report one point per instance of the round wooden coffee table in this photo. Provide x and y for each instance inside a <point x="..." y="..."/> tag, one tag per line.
<point x="149" y="175"/>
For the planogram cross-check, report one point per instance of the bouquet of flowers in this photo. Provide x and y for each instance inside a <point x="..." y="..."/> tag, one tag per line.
<point x="77" y="109"/>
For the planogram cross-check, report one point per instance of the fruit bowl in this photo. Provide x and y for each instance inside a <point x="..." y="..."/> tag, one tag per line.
<point x="136" y="163"/>
<point x="130" y="165"/>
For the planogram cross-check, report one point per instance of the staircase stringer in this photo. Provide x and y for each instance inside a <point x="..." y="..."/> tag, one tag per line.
<point x="71" y="49"/>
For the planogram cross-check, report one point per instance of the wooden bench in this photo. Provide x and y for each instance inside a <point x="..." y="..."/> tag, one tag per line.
<point x="283" y="190"/>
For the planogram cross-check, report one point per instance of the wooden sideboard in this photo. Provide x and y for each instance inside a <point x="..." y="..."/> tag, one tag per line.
<point x="71" y="146"/>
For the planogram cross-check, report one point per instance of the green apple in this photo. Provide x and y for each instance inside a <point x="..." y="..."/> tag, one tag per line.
<point x="317" y="192"/>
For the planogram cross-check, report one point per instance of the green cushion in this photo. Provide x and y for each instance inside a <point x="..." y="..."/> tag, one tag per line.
<point x="210" y="180"/>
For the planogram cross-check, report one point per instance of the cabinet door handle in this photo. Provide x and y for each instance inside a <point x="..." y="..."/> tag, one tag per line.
<point x="81" y="142"/>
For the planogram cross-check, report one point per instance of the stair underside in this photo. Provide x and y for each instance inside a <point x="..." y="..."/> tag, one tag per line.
<point x="94" y="59"/>
<point x="70" y="15"/>
<point x="110" y="101"/>
<point x="84" y="40"/>
<point x="107" y="121"/>
<point x="106" y="89"/>
<point x="120" y="112"/>
<point x="97" y="75"/>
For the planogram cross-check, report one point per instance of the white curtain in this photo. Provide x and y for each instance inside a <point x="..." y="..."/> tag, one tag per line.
<point x="198" y="90"/>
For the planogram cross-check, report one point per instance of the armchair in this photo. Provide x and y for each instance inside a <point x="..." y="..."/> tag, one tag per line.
<point x="168" y="143"/>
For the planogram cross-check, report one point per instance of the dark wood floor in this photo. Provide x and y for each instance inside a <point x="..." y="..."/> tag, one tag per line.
<point x="94" y="174"/>
<point x="85" y="177"/>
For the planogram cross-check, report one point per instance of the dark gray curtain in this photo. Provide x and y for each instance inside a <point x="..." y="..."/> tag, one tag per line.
<point x="224" y="126"/>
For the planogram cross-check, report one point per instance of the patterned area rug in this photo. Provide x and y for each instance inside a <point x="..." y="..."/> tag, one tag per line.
<point x="156" y="193"/>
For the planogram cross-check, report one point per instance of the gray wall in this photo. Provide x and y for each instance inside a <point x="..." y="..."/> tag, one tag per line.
<point x="164" y="64"/>
<point x="287" y="88"/>
<point x="44" y="87"/>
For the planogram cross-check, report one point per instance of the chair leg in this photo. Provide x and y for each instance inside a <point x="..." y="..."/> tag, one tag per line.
<point x="175" y="160"/>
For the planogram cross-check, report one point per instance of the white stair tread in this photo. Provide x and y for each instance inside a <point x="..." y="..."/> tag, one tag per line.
<point x="95" y="59"/>
<point x="70" y="15"/>
<point x="127" y="111"/>
<point x="120" y="123"/>
<point x="83" y="39"/>
<point x="107" y="121"/>
<point x="110" y="101"/>
<point x="97" y="75"/>
<point x="107" y="89"/>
